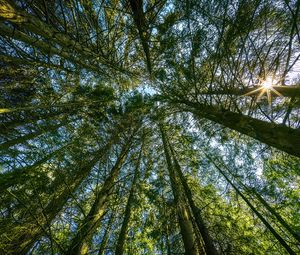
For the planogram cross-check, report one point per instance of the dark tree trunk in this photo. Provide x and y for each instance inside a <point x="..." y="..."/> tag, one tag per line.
<point x="209" y="246"/>
<point x="80" y="243"/>
<point x="127" y="214"/>
<point x="106" y="236"/>
<point x="140" y="22"/>
<point x="37" y="226"/>
<point x="276" y="135"/>
<point x="185" y="222"/>
<point x="286" y="91"/>
<point x="257" y="213"/>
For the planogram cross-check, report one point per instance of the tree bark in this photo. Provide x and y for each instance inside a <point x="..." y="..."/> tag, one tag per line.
<point x="79" y="244"/>
<point x="276" y="135"/>
<point x="105" y="238"/>
<point x="140" y="22"/>
<point x="24" y="138"/>
<point x="209" y="246"/>
<point x="286" y="91"/>
<point x="185" y="222"/>
<point x="127" y="215"/>
<point x="16" y="176"/>
<point x="257" y="213"/>
<point x="37" y="226"/>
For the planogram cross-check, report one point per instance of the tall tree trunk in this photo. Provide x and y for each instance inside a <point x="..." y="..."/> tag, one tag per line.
<point x="275" y="214"/>
<point x="208" y="243"/>
<point x="80" y="243"/>
<point x="257" y="213"/>
<point x="16" y="176"/>
<point x="276" y="135"/>
<point x="124" y="228"/>
<point x="24" y="138"/>
<point x="286" y="91"/>
<point x="140" y="22"/>
<point x="37" y="225"/>
<point x="11" y="13"/>
<point x="106" y="235"/>
<point x="185" y="222"/>
<point x="272" y="211"/>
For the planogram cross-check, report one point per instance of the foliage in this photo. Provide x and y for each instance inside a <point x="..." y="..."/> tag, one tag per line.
<point x="149" y="122"/>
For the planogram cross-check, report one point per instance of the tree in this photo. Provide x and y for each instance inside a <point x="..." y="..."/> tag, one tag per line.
<point x="149" y="127"/>
<point x="185" y="222"/>
<point x="128" y="208"/>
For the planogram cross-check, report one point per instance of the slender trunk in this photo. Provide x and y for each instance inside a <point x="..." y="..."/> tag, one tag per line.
<point x="16" y="176"/>
<point x="276" y="135"/>
<point x="286" y="91"/>
<point x="140" y="22"/>
<point x="257" y="213"/>
<point x="24" y="138"/>
<point x="185" y="223"/>
<point x="127" y="215"/>
<point x="9" y="12"/>
<point x="30" y="117"/>
<point x="79" y="244"/>
<point x="209" y="246"/>
<point x="106" y="236"/>
<point x="275" y="214"/>
<point x="37" y="226"/>
<point x="252" y="191"/>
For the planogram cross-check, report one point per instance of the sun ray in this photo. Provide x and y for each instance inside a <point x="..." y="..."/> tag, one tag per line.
<point x="276" y="92"/>
<point x="252" y="92"/>
<point x="266" y="87"/>
<point x="261" y="94"/>
<point x="269" y="96"/>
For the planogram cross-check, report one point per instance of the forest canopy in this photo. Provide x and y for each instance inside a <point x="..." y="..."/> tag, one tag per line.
<point x="149" y="127"/>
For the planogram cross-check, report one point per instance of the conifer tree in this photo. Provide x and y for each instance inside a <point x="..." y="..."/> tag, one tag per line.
<point x="149" y="127"/>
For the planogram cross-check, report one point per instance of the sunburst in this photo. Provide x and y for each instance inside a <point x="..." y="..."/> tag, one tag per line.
<point x="266" y="87"/>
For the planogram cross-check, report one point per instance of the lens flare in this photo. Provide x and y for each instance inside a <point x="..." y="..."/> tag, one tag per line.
<point x="268" y="83"/>
<point x="265" y="87"/>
